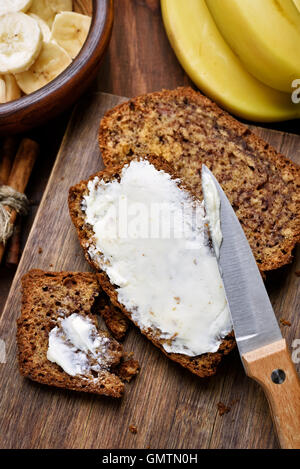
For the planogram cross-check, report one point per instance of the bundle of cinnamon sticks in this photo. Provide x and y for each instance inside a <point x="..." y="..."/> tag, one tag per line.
<point x="16" y="164"/>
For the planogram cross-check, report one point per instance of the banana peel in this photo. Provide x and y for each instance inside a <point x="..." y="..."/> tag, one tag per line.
<point x="272" y="58"/>
<point x="216" y="70"/>
<point x="297" y="4"/>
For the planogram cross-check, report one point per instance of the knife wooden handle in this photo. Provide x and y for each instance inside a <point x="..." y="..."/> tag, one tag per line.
<point x="273" y="363"/>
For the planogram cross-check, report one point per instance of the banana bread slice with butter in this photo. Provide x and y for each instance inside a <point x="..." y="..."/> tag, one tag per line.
<point x="167" y="283"/>
<point x="187" y="129"/>
<point x="58" y="338"/>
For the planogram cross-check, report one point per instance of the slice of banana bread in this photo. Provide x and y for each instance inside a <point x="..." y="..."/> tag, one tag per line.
<point x="48" y="299"/>
<point x="202" y="365"/>
<point x="187" y="130"/>
<point x="114" y="319"/>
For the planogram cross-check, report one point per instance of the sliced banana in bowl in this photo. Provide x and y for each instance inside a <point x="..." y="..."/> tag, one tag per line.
<point x="40" y="100"/>
<point x="32" y="51"/>
<point x="52" y="61"/>
<point x="70" y="31"/>
<point x="61" y="5"/>
<point x="9" y="89"/>
<point x="13" y="6"/>
<point x="20" y="42"/>
<point x="2" y="91"/>
<point x="46" y="32"/>
<point x="47" y="9"/>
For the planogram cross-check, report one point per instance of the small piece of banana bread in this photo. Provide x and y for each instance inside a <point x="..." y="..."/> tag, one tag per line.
<point x="47" y="298"/>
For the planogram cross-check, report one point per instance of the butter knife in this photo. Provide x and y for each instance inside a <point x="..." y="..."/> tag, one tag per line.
<point x="262" y="348"/>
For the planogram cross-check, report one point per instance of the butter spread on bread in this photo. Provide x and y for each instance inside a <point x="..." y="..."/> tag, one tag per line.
<point x="212" y="207"/>
<point x="151" y="238"/>
<point x="78" y="348"/>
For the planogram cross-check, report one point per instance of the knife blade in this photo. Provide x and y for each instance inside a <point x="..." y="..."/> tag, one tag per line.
<point x="253" y="318"/>
<point x="263" y="351"/>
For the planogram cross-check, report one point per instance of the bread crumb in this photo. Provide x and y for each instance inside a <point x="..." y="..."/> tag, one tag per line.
<point x="40" y="250"/>
<point x="234" y="401"/>
<point x="285" y="322"/>
<point x="133" y="429"/>
<point x="128" y="369"/>
<point x="223" y="409"/>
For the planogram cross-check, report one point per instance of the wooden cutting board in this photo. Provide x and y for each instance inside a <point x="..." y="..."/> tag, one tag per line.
<point x="170" y="407"/>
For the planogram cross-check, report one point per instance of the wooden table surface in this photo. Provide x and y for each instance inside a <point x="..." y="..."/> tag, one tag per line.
<point x="139" y="60"/>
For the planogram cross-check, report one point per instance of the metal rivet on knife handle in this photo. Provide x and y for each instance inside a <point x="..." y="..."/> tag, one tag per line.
<point x="278" y="376"/>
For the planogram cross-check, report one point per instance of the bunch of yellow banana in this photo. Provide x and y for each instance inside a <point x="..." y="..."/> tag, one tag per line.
<point x="244" y="54"/>
<point x="297" y="3"/>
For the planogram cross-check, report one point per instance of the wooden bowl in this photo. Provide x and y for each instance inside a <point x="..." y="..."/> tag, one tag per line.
<point x="38" y="107"/>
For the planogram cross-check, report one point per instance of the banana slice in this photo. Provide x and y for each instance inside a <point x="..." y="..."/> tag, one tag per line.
<point x="70" y="31"/>
<point x="12" y="6"/>
<point x="20" y="42"/>
<point x="58" y="6"/>
<point x="2" y="91"/>
<point x="12" y="90"/>
<point x="51" y="62"/>
<point x="47" y="9"/>
<point x="44" y="27"/>
<point x="9" y="89"/>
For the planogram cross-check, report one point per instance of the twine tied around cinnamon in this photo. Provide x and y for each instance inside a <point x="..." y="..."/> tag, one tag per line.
<point x="9" y="197"/>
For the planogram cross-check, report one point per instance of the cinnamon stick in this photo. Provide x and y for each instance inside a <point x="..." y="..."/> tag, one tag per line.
<point x="8" y="152"/>
<point x="23" y="165"/>
<point x="20" y="173"/>
<point x="13" y="254"/>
